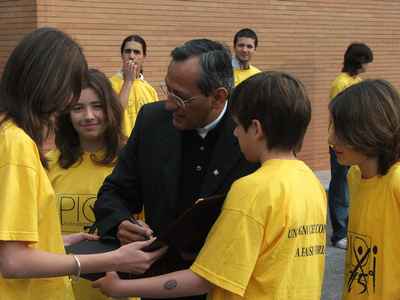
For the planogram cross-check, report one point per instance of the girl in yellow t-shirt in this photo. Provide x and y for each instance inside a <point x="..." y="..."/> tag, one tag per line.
<point x="88" y="139"/>
<point x="129" y="84"/>
<point x="42" y="78"/>
<point x="365" y="134"/>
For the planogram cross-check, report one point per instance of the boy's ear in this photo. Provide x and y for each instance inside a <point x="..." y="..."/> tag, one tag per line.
<point x="220" y="95"/>
<point x="258" y="130"/>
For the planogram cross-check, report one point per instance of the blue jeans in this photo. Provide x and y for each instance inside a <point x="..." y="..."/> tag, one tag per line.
<point x="338" y="198"/>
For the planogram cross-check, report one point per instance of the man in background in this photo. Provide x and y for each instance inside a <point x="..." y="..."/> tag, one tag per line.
<point x="244" y="45"/>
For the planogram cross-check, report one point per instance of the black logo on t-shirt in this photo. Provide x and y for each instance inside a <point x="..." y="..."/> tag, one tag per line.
<point x="361" y="278"/>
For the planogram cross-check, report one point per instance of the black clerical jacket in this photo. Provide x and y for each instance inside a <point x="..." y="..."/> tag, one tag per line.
<point x="148" y="171"/>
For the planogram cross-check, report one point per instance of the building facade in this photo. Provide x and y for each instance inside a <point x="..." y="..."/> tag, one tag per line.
<point x="304" y="37"/>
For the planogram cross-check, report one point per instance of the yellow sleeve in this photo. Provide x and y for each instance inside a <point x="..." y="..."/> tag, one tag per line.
<point x="232" y="247"/>
<point x="143" y="93"/>
<point x="395" y="184"/>
<point x="18" y="203"/>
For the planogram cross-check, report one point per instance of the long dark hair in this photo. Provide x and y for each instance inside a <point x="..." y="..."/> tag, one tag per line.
<point x="42" y="77"/>
<point x="67" y="139"/>
<point x="366" y="116"/>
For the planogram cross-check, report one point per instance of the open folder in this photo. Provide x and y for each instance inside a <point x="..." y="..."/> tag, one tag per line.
<point x="186" y="234"/>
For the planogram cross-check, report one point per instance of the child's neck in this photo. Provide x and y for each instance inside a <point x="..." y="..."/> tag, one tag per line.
<point x="92" y="146"/>
<point x="369" y="168"/>
<point x="276" y="154"/>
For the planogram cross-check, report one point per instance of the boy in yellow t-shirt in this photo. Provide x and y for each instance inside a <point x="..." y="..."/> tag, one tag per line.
<point x="129" y="83"/>
<point x="355" y="61"/>
<point x="273" y="222"/>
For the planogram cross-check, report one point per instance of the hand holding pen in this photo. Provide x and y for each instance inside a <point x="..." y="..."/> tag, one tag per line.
<point x="133" y="230"/>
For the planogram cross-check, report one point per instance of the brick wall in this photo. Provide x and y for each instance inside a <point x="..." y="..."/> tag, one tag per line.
<point x="306" y="38"/>
<point x="16" y="19"/>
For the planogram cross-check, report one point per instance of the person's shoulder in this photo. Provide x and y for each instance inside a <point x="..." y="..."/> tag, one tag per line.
<point x="242" y="192"/>
<point x="252" y="183"/>
<point x="117" y="77"/>
<point x="255" y="194"/>
<point x="143" y="82"/>
<point x="155" y="108"/>
<point x="116" y="81"/>
<point x="354" y="174"/>
<point x="341" y="82"/>
<point x="16" y="146"/>
<point x="14" y="137"/>
<point x="279" y="174"/>
<point x="154" y="114"/>
<point x="146" y="86"/>
<point x="255" y="69"/>
<point x="52" y="157"/>
<point x="394" y="175"/>
<point x="339" y="79"/>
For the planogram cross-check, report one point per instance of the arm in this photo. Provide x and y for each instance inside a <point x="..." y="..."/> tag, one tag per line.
<point x="130" y="72"/>
<point x="178" y="284"/>
<point x="18" y="260"/>
<point x="74" y="238"/>
<point x="120" y="195"/>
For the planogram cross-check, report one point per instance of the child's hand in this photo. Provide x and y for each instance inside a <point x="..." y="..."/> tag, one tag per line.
<point x="109" y="285"/>
<point x="74" y="238"/>
<point x="131" y="257"/>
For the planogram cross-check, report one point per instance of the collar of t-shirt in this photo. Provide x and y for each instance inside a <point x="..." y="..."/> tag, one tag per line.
<point x="237" y="65"/>
<point x="204" y="130"/>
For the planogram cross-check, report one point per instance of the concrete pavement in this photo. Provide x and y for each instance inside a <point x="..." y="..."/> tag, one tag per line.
<point x="334" y="261"/>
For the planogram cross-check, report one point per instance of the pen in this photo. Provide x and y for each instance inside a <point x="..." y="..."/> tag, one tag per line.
<point x="136" y="222"/>
<point x="213" y="197"/>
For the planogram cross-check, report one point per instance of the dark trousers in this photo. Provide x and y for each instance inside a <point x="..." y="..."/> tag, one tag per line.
<point x="338" y="198"/>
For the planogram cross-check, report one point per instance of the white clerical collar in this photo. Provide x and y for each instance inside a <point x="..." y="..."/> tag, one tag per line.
<point x="237" y="65"/>
<point x="204" y="130"/>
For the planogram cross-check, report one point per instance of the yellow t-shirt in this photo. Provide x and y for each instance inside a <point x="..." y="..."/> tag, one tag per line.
<point x="76" y="189"/>
<point x="28" y="213"/>
<point x="141" y="93"/>
<point x="242" y="74"/>
<point x="342" y="82"/>
<point x="373" y="257"/>
<point x="272" y="226"/>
